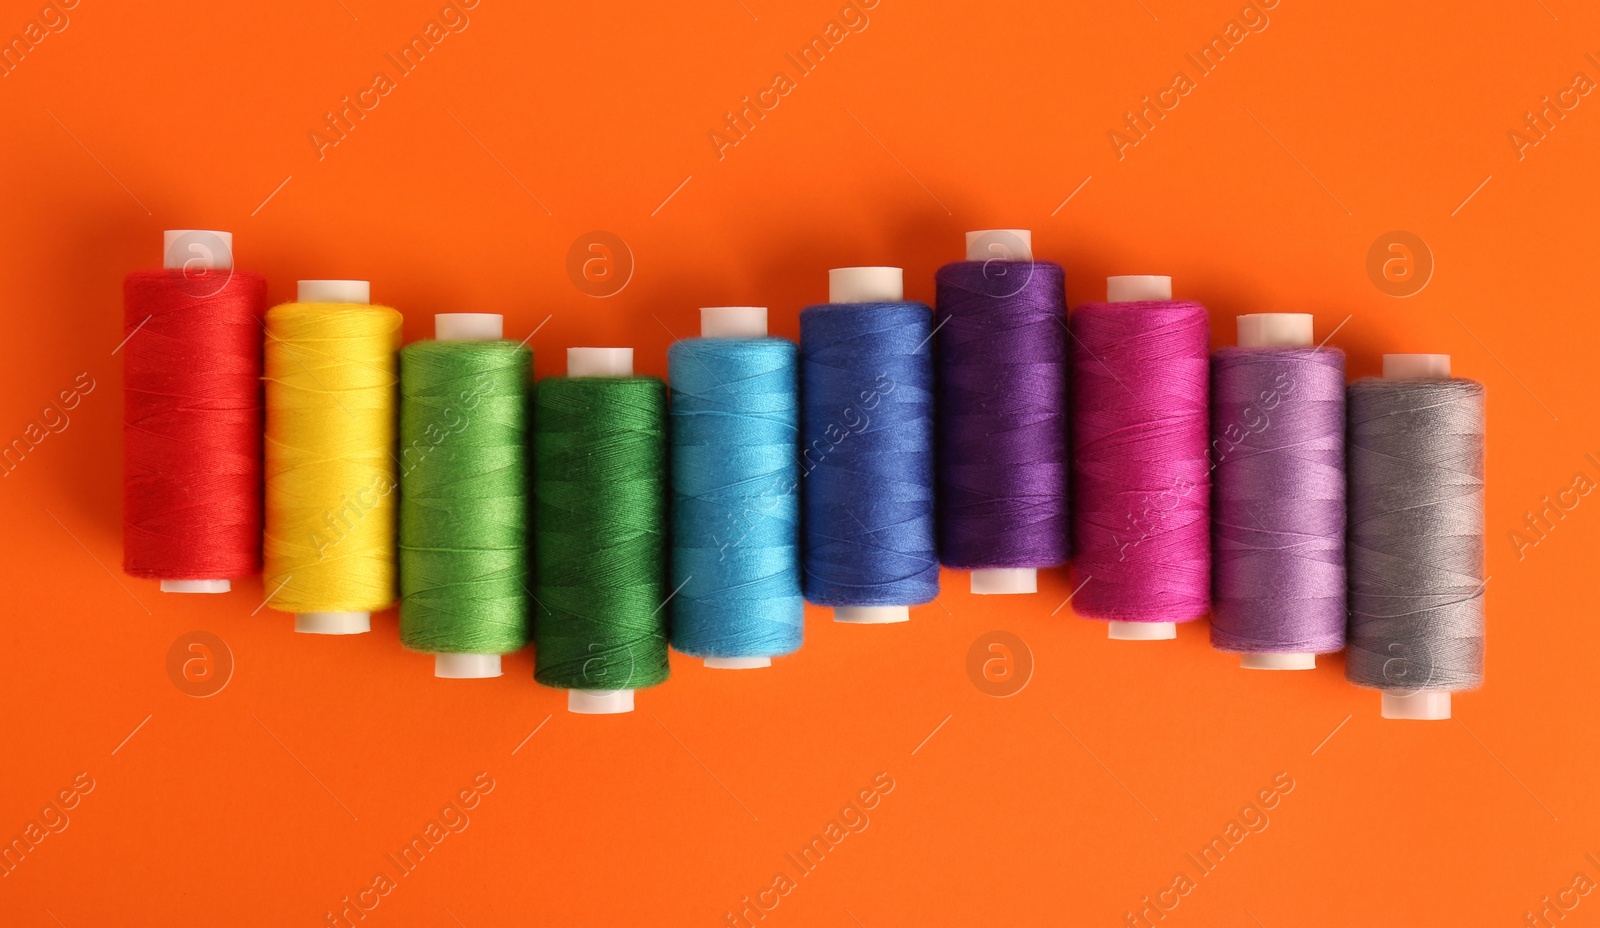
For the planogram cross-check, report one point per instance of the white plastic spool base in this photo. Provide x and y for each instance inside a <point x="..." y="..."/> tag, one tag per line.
<point x="333" y="291"/>
<point x="738" y="663"/>
<point x="333" y="623"/>
<point x="734" y="322"/>
<point x="871" y="615"/>
<point x="1000" y="245"/>
<point x="599" y="362"/>
<point x="1135" y="288"/>
<point x="1278" y="661"/>
<point x="599" y="702"/>
<point x="196" y="586"/>
<point x="1421" y="706"/>
<point x="1141" y="631"/>
<point x="466" y="666"/>
<point x="992" y="581"/>
<point x="866" y="285"/>
<point x="1416" y="366"/>
<point x="208" y="260"/>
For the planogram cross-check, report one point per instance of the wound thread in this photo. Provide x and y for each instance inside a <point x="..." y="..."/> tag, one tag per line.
<point x="1002" y="392"/>
<point x="1278" y="520"/>
<point x="735" y="497"/>
<point x="330" y="457"/>
<point x="1141" y="486"/>
<point x="1416" y="534"/>
<point x="464" y="481"/>
<point x="192" y="424"/>
<point x="600" y="517"/>
<point x="868" y="454"/>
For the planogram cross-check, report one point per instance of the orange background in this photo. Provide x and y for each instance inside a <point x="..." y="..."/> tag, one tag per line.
<point x="271" y="801"/>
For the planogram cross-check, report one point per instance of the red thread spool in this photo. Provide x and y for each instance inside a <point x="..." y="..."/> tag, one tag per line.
<point x="192" y="417"/>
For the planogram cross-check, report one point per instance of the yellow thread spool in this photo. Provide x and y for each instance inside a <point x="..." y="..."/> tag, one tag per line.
<point x="331" y="380"/>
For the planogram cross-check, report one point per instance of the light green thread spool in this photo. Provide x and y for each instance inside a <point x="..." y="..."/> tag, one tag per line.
<point x="464" y="477"/>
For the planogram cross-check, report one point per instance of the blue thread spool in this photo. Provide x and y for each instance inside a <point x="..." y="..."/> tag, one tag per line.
<point x="735" y="491"/>
<point x="867" y="452"/>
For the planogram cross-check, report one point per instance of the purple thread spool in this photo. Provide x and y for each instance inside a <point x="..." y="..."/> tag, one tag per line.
<point x="1278" y="526"/>
<point x="1002" y="397"/>
<point x="1141" y="483"/>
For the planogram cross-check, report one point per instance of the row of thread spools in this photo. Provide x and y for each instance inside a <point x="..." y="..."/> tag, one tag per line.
<point x="605" y="516"/>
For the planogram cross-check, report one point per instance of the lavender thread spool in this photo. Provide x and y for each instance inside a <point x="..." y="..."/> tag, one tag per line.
<point x="1140" y="473"/>
<point x="1002" y="396"/>
<point x="1416" y="535"/>
<point x="1278" y="517"/>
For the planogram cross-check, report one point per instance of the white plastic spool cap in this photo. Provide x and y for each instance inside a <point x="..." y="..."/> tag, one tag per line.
<point x="1141" y="631"/>
<point x="1276" y="330"/>
<point x="871" y="615"/>
<point x="599" y="702"/>
<point x="1278" y="661"/>
<point x="1416" y="366"/>
<point x="333" y="623"/>
<point x="466" y="666"/>
<point x="1421" y="705"/>
<point x="196" y="257"/>
<point x="196" y="586"/>
<point x="866" y="285"/>
<point x="208" y="249"/>
<point x="1002" y="245"/>
<point x="333" y="291"/>
<point x="467" y="327"/>
<point x="1132" y="288"/>
<point x="738" y="663"/>
<point x="599" y="362"/>
<point x="733" y="322"/>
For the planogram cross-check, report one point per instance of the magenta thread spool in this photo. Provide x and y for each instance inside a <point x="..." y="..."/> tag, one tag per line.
<point x="1141" y="483"/>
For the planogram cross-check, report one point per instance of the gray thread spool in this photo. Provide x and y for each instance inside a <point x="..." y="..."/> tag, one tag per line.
<point x="1416" y="449"/>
